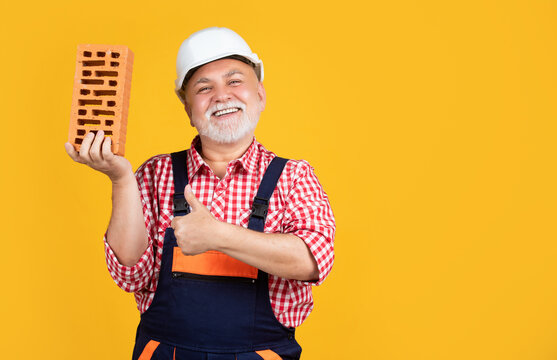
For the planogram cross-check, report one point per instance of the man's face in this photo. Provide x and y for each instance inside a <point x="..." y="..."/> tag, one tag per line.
<point x="224" y="99"/>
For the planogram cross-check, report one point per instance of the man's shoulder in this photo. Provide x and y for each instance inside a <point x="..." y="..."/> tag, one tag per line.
<point x="296" y="169"/>
<point x="157" y="159"/>
<point x="293" y="165"/>
<point x="154" y="164"/>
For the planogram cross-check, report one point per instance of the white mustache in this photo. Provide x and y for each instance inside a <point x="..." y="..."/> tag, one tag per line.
<point x="224" y="106"/>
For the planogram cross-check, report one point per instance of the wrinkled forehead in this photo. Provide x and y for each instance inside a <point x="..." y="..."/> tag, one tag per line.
<point x="240" y="60"/>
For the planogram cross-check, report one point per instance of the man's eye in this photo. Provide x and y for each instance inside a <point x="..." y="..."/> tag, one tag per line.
<point x="234" y="82"/>
<point x="203" y="89"/>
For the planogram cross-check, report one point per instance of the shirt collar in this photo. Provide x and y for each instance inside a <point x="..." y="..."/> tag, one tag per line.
<point x="247" y="161"/>
<point x="195" y="161"/>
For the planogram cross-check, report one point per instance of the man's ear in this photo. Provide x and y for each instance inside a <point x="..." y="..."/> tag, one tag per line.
<point x="187" y="107"/>
<point x="262" y="95"/>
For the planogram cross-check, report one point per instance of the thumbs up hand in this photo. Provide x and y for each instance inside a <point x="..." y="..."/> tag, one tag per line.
<point x="196" y="232"/>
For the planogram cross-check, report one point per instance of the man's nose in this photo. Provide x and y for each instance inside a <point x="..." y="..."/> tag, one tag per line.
<point x="222" y="94"/>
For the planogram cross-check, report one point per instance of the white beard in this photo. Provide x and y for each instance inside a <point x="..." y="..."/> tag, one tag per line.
<point x="228" y="131"/>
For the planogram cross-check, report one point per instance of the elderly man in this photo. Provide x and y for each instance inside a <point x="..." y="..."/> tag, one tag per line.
<point x="220" y="243"/>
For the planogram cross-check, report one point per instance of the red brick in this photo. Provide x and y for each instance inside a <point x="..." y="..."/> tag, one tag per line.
<point x="98" y="103"/>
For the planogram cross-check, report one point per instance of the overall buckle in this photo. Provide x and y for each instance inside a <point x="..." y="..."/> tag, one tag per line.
<point x="180" y="203"/>
<point x="259" y="207"/>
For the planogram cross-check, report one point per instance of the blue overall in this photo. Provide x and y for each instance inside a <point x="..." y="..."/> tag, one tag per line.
<point x="198" y="317"/>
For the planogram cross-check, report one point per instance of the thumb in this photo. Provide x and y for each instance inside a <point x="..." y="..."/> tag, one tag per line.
<point x="191" y="199"/>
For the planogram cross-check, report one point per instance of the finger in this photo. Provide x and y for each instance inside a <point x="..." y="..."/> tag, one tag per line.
<point x="85" y="145"/>
<point x="95" y="150"/>
<point x="191" y="199"/>
<point x="106" y="149"/>
<point x="70" y="150"/>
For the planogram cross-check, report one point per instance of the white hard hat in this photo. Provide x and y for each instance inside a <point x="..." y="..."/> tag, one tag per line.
<point x="209" y="45"/>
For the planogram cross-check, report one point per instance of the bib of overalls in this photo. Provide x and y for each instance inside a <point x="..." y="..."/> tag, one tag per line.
<point x="212" y="306"/>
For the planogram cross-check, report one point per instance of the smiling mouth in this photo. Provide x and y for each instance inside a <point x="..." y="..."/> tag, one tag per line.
<point x="225" y="111"/>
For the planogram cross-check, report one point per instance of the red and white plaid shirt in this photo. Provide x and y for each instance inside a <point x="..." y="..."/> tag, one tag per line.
<point x="299" y="207"/>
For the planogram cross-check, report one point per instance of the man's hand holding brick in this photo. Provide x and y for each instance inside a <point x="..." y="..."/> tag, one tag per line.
<point x="95" y="152"/>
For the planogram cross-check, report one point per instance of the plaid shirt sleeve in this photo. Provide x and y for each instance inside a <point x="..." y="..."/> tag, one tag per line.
<point x="309" y="216"/>
<point x="140" y="275"/>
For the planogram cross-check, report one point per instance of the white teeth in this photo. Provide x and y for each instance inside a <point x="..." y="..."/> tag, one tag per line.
<point x="226" y="111"/>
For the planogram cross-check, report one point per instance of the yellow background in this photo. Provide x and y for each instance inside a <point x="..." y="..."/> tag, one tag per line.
<point x="431" y="125"/>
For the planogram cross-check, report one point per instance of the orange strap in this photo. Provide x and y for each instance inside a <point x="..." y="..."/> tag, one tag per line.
<point x="268" y="355"/>
<point x="211" y="263"/>
<point x="148" y="350"/>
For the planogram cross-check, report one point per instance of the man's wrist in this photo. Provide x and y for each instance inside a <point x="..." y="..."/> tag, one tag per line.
<point x="124" y="180"/>
<point x="223" y="232"/>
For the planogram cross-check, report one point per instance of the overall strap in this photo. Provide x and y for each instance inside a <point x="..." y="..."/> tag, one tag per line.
<point x="266" y="188"/>
<point x="180" y="172"/>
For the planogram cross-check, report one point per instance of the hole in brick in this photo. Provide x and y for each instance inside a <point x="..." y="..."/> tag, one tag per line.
<point x="109" y="122"/>
<point x="103" y="113"/>
<point x="106" y="73"/>
<point x="81" y="132"/>
<point x="88" y="122"/>
<point x="93" y="63"/>
<point x="104" y="92"/>
<point x="84" y="92"/>
<point x="112" y="82"/>
<point x="87" y="53"/>
<point x="86" y="72"/>
<point x="111" y="103"/>
<point x="108" y="132"/>
<point x="82" y="112"/>
<point x="92" y="81"/>
<point x="114" y="63"/>
<point x="78" y="141"/>
<point x="101" y="53"/>
<point x="115" y="55"/>
<point x="90" y="102"/>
